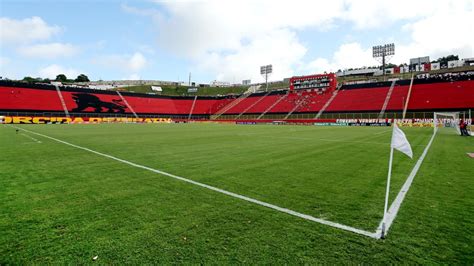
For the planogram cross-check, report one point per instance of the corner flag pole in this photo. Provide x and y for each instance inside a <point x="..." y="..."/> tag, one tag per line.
<point x="399" y="142"/>
<point x="387" y="191"/>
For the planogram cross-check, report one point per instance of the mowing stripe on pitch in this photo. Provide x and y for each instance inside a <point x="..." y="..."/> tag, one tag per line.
<point x="235" y="195"/>
<point x="382" y="132"/>
<point x="395" y="206"/>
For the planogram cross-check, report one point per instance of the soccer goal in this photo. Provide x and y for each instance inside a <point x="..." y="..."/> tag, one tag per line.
<point x="449" y="120"/>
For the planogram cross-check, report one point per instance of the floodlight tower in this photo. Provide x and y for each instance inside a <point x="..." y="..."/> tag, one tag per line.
<point x="266" y="71"/>
<point x="383" y="53"/>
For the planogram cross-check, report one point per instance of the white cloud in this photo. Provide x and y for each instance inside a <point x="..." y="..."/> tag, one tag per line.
<point x="48" y="50"/>
<point x="440" y="28"/>
<point x="130" y="64"/>
<point x="366" y="14"/>
<point x="137" y="62"/>
<point x="231" y="39"/>
<point x="350" y="55"/>
<point x="26" y="30"/>
<point x="448" y="31"/>
<point x="192" y="29"/>
<point x="10" y="68"/>
<point x="6" y="70"/>
<point x="244" y="62"/>
<point x="52" y="71"/>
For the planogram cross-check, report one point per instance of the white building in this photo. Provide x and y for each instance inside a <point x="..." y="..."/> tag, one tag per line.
<point x="216" y="83"/>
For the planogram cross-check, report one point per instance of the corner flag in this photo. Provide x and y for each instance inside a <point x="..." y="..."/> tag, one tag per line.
<point x="400" y="142"/>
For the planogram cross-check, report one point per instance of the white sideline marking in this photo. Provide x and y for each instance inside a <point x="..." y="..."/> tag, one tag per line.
<point x="235" y="195"/>
<point x="30" y="137"/>
<point x="391" y="214"/>
<point x="395" y="206"/>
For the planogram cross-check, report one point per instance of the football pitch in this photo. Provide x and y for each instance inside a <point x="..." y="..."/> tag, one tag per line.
<point x="88" y="190"/>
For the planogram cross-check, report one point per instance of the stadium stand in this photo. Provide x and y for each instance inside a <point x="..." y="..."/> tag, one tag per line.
<point x="257" y="100"/>
<point x="429" y="93"/>
<point x="265" y="103"/>
<point x="444" y="95"/>
<point x="358" y="100"/>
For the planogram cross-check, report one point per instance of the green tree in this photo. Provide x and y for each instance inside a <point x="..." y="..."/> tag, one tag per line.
<point x="82" y="78"/>
<point x="444" y="60"/>
<point x="61" y="77"/>
<point x="30" y="79"/>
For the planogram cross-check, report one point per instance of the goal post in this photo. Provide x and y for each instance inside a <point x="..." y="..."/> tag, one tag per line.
<point x="449" y="120"/>
<point x="446" y="120"/>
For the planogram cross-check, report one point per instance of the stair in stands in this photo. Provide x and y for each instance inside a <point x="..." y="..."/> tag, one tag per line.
<point x="253" y="104"/>
<point x="126" y="103"/>
<point x="334" y="93"/>
<point x="294" y="109"/>
<point x="387" y="99"/>
<point x="408" y="96"/>
<point x="63" y="103"/>
<point x="230" y="105"/>
<point x="273" y="105"/>
<point x="192" y="107"/>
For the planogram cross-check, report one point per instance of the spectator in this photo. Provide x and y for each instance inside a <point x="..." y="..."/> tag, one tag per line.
<point x="463" y="128"/>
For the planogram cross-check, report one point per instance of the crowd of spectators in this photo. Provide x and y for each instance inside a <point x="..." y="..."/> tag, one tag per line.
<point x="457" y="76"/>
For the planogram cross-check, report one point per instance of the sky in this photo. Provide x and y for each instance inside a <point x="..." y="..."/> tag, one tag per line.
<point x="222" y="40"/>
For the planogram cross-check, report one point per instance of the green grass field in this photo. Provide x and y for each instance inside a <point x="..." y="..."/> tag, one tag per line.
<point x="183" y="90"/>
<point x="60" y="204"/>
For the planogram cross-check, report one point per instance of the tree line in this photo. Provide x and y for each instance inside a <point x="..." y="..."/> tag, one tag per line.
<point x="60" y="78"/>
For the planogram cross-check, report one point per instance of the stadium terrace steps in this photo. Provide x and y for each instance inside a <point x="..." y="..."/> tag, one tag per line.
<point x="230" y="105"/>
<point x="259" y="99"/>
<point x="328" y="102"/>
<point x="297" y="105"/>
<point x="405" y="107"/>
<point x="242" y="105"/>
<point x="447" y="95"/>
<point x="61" y="99"/>
<point x="192" y="107"/>
<point x="303" y="101"/>
<point x="387" y="99"/>
<point x="443" y="95"/>
<point x="127" y="104"/>
<point x="397" y="99"/>
<point x="358" y="100"/>
<point x="273" y="105"/>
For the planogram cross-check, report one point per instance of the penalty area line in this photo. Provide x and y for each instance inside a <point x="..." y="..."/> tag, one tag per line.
<point x="26" y="136"/>
<point x="30" y="137"/>
<point x="222" y="191"/>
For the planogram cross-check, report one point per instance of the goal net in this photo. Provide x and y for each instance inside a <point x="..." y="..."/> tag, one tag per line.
<point x="449" y="120"/>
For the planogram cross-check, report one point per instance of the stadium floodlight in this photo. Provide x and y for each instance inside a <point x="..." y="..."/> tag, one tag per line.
<point x="383" y="53"/>
<point x="265" y="71"/>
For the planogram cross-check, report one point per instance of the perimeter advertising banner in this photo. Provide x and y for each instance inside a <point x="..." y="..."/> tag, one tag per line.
<point x="77" y="120"/>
